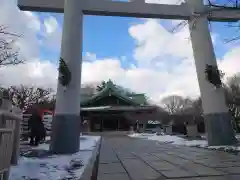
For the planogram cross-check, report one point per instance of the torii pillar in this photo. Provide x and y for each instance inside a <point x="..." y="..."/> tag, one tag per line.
<point x="66" y="123"/>
<point x="216" y="115"/>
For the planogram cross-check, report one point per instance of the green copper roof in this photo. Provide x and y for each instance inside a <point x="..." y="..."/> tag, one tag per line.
<point x="85" y="97"/>
<point x="110" y="88"/>
<point x="139" y="98"/>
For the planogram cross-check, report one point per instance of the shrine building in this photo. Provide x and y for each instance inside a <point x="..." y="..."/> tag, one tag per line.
<point x="112" y="109"/>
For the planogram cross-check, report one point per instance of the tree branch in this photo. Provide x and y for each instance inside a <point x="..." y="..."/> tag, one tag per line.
<point x="230" y="5"/>
<point x="9" y="55"/>
<point x="234" y="5"/>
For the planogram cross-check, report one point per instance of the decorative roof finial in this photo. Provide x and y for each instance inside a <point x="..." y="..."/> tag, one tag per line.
<point x="110" y="82"/>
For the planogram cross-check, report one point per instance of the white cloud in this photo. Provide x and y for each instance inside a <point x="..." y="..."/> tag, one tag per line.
<point x="156" y="43"/>
<point x="25" y="24"/>
<point x="90" y="57"/>
<point x="51" y="24"/>
<point x="230" y="62"/>
<point x="155" y="83"/>
<point x="33" y="21"/>
<point x="53" y="35"/>
<point x="36" y="73"/>
<point x="173" y="55"/>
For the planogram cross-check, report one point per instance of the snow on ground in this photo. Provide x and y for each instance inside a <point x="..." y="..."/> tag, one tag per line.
<point x="170" y="139"/>
<point x="181" y="141"/>
<point x="55" y="167"/>
<point x="86" y="143"/>
<point x="48" y="138"/>
<point x="225" y="148"/>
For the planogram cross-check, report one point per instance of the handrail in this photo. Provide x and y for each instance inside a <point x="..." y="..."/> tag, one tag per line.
<point x="9" y="137"/>
<point x="10" y="116"/>
<point x="6" y="130"/>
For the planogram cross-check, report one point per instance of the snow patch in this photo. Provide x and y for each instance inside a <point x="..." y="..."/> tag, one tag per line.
<point x="86" y="143"/>
<point x="55" y="167"/>
<point x="181" y="141"/>
<point x="170" y="139"/>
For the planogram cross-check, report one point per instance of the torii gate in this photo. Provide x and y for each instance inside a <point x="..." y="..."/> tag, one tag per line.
<point x="65" y="136"/>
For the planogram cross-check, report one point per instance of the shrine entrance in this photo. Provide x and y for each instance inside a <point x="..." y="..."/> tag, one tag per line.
<point x="100" y="124"/>
<point x="216" y="115"/>
<point x="108" y="122"/>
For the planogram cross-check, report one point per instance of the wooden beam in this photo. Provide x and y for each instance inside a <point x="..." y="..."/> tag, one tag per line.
<point x="137" y="9"/>
<point x="108" y="8"/>
<point x="41" y="5"/>
<point x="224" y="14"/>
<point x="6" y="130"/>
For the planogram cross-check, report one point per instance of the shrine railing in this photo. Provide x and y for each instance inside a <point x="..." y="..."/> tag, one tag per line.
<point x="9" y="137"/>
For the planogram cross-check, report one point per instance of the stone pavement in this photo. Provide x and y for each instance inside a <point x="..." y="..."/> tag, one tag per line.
<point x="125" y="158"/>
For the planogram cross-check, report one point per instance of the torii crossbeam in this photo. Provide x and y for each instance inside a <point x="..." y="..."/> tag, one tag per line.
<point x="137" y="8"/>
<point x="65" y="135"/>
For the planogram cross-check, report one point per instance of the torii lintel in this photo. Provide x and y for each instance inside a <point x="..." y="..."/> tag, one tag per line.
<point x="138" y="9"/>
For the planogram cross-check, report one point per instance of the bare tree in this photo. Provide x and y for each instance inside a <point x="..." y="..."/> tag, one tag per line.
<point x="232" y="90"/>
<point x="218" y="6"/>
<point x="197" y="109"/>
<point x="194" y="108"/>
<point x="9" y="54"/>
<point x="48" y="103"/>
<point x="229" y="4"/>
<point x="25" y="96"/>
<point x="175" y="104"/>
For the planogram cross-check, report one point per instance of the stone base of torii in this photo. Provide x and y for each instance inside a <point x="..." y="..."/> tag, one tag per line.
<point x="65" y="136"/>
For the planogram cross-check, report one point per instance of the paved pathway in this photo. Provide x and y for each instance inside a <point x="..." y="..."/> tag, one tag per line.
<point x="125" y="158"/>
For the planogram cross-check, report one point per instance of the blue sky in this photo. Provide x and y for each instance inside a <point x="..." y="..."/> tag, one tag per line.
<point x="105" y="36"/>
<point x="109" y="36"/>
